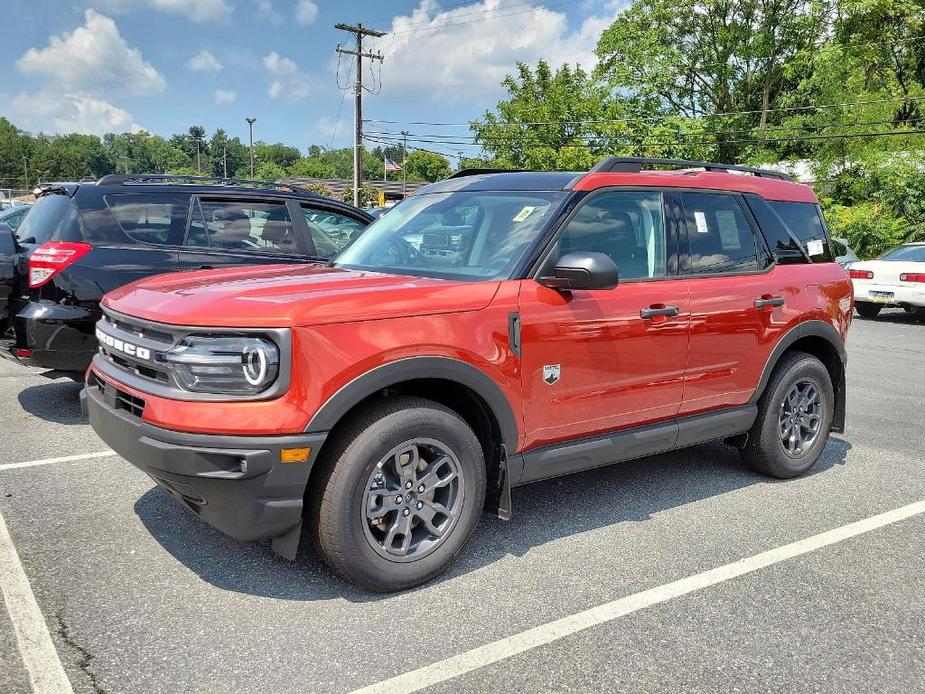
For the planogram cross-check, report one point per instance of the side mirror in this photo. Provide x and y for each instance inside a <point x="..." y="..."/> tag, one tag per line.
<point x="583" y="270"/>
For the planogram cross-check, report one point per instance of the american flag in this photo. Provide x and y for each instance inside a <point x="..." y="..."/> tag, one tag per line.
<point x="391" y="165"/>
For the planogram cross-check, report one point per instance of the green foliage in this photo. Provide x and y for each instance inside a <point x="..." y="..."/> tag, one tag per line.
<point x="322" y="189"/>
<point x="368" y="195"/>
<point x="269" y="171"/>
<point x="878" y="206"/>
<point x="426" y="166"/>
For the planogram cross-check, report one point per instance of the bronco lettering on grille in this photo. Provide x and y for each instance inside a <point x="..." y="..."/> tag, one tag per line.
<point x="126" y="348"/>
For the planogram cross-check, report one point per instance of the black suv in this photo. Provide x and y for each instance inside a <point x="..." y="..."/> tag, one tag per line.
<point x="82" y="240"/>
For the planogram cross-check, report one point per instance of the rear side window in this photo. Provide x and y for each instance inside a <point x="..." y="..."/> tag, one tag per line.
<point x="52" y="218"/>
<point x="720" y="239"/>
<point x="804" y="219"/>
<point x="158" y="219"/>
<point x="243" y="226"/>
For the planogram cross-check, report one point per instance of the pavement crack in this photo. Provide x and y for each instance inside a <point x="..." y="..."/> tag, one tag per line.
<point x="84" y="656"/>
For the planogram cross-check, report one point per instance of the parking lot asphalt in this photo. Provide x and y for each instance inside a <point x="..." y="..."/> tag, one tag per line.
<point x="140" y="596"/>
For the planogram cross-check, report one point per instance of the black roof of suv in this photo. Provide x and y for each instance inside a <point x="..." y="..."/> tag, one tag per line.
<point x="83" y="239"/>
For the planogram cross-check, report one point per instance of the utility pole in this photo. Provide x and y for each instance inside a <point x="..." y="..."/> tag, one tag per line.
<point x="25" y="168"/>
<point x="250" y="125"/>
<point x="404" y="160"/>
<point x="359" y="31"/>
<point x="461" y="155"/>
<point x="225" y="157"/>
<point x="198" y="162"/>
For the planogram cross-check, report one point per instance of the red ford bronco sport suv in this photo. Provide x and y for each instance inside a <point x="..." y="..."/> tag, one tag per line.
<point x="492" y="330"/>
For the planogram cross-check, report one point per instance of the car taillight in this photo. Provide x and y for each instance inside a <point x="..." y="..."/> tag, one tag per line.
<point x="51" y="258"/>
<point x="912" y="277"/>
<point x="860" y="274"/>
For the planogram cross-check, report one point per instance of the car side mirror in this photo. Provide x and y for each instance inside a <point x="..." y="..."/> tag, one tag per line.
<point x="583" y="270"/>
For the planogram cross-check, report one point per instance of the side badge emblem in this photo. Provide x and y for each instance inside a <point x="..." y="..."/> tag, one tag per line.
<point x="551" y="374"/>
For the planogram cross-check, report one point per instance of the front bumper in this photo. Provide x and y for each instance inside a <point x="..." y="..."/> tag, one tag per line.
<point x="59" y="337"/>
<point x="236" y="484"/>
<point x="903" y="295"/>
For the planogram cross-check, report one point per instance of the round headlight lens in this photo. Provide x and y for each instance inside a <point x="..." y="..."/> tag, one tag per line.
<point x="227" y="365"/>
<point x="255" y="365"/>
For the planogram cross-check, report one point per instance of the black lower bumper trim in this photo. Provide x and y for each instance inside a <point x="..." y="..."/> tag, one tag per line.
<point x="237" y="484"/>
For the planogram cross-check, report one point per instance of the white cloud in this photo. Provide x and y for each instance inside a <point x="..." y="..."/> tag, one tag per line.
<point x="225" y="96"/>
<point x="204" y="61"/>
<point x="436" y="51"/>
<point x="53" y="112"/>
<point x="306" y="12"/>
<point x="93" y="56"/>
<point x="287" y="82"/>
<point x="196" y="10"/>
<point x="265" y="10"/>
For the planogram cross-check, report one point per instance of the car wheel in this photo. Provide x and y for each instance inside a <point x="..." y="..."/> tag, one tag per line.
<point x="794" y="418"/>
<point x="398" y="493"/>
<point x="866" y="309"/>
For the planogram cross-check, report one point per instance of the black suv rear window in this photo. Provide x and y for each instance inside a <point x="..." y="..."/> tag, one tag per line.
<point x="158" y="219"/>
<point x="52" y="218"/>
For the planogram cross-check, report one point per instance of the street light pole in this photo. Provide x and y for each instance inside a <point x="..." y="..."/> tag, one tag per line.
<point x="250" y="125"/>
<point x="25" y="168"/>
<point x="404" y="168"/>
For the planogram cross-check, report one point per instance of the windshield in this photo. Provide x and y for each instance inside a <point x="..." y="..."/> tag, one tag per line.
<point x="51" y="218"/>
<point x="469" y="236"/>
<point x="909" y="253"/>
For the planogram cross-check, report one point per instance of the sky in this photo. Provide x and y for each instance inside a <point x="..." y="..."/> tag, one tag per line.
<point x="97" y="66"/>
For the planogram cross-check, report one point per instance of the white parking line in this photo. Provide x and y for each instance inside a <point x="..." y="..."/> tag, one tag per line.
<point x="46" y="673"/>
<point x="553" y="631"/>
<point x="63" y="459"/>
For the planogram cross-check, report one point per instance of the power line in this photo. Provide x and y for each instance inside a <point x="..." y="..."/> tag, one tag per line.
<point x="648" y="119"/>
<point x="443" y="25"/>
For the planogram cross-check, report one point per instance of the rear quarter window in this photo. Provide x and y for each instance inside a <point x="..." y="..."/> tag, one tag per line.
<point x="52" y="218"/>
<point x="804" y="219"/>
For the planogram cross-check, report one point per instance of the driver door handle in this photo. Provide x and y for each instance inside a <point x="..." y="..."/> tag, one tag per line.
<point x="768" y="301"/>
<point x="658" y="310"/>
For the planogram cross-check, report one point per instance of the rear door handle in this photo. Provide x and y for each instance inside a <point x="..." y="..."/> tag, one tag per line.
<point x="206" y="267"/>
<point x="654" y="311"/>
<point x="767" y="301"/>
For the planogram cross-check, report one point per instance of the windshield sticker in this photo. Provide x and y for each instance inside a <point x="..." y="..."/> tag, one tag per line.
<point x="524" y="213"/>
<point x="701" y="219"/>
<point x="815" y="247"/>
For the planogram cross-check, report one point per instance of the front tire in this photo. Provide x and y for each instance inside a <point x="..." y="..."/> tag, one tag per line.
<point x="794" y="418"/>
<point x="867" y="309"/>
<point x="398" y="493"/>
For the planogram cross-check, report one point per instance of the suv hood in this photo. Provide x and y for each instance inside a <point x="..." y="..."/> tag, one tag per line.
<point x="290" y="295"/>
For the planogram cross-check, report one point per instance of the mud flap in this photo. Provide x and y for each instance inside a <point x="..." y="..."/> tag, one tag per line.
<point x="498" y="501"/>
<point x="287" y="545"/>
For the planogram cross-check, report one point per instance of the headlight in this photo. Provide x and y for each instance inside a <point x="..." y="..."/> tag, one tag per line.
<point x="232" y="365"/>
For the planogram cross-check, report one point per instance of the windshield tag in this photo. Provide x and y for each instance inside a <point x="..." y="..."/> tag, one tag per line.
<point x="815" y="247"/>
<point x="524" y="213"/>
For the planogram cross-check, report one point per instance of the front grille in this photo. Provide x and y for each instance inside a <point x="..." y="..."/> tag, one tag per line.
<point x="138" y="334"/>
<point x="118" y="398"/>
<point x="141" y="330"/>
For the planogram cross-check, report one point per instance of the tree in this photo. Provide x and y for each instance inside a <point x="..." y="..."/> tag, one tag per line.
<point x="368" y="195"/>
<point x="227" y="154"/>
<point x="426" y="166"/>
<point x="277" y="153"/>
<point x="711" y="58"/>
<point x="70" y="157"/>
<point x="269" y="171"/>
<point x="568" y="120"/>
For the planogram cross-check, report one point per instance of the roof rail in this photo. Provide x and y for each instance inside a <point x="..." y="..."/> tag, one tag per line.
<point x="141" y="179"/>
<point x="462" y="173"/>
<point x="635" y="165"/>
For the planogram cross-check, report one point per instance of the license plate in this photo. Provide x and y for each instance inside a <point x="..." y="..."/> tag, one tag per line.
<point x="881" y="297"/>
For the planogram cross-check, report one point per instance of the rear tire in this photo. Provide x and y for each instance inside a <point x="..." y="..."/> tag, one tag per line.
<point x="867" y="309"/>
<point x="398" y="492"/>
<point x="794" y="418"/>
